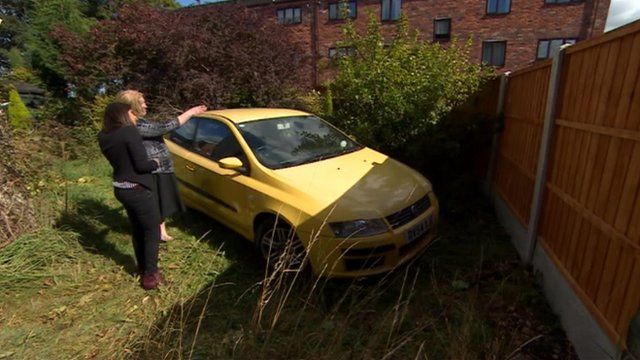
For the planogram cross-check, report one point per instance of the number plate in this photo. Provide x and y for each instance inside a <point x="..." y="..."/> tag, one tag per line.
<point x="419" y="230"/>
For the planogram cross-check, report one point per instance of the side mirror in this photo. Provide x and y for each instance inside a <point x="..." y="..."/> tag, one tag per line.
<point x="231" y="163"/>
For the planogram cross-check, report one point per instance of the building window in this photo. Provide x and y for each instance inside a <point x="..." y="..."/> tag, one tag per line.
<point x="547" y="48"/>
<point x="391" y="9"/>
<point x="289" y="16"/>
<point x="562" y="1"/>
<point x="493" y="53"/>
<point x="342" y="10"/>
<point x="341" y="51"/>
<point x="441" y="29"/>
<point x="498" y="6"/>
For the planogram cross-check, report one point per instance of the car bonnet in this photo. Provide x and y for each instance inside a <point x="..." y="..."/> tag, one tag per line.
<point x="362" y="184"/>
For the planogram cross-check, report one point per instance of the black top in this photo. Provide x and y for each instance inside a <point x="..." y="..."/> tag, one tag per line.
<point x="126" y="154"/>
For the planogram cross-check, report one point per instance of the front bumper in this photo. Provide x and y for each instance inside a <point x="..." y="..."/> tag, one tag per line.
<point x="357" y="257"/>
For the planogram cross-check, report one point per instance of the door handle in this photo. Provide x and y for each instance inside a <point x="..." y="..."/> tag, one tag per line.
<point x="190" y="167"/>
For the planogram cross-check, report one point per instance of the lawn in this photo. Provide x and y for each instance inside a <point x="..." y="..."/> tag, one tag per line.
<point x="68" y="292"/>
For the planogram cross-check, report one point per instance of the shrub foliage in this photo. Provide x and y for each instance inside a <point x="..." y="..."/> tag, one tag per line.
<point x="391" y="93"/>
<point x="19" y="116"/>
<point x="43" y="17"/>
<point x="222" y="55"/>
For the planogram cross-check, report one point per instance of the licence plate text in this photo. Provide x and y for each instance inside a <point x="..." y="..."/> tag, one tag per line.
<point x="419" y="230"/>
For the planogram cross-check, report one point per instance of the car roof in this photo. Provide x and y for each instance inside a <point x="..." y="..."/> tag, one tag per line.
<point x="248" y="114"/>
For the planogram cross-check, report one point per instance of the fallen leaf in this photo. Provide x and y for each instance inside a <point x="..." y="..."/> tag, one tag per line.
<point x="85" y="299"/>
<point x="56" y="313"/>
<point x="460" y="285"/>
<point x="84" y="180"/>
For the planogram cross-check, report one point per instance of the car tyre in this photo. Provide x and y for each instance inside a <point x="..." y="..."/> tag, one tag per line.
<point x="279" y="246"/>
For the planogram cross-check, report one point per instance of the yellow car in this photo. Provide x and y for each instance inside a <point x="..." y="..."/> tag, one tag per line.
<point x="295" y="185"/>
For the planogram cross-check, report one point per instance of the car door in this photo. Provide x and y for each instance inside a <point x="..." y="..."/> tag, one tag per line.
<point x="226" y="192"/>
<point x="181" y="147"/>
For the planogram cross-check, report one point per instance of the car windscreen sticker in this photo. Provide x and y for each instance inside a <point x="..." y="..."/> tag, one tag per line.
<point x="282" y="126"/>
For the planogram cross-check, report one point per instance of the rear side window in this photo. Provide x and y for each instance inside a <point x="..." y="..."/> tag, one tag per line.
<point x="183" y="135"/>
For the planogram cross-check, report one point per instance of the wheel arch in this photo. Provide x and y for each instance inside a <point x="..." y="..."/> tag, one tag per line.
<point x="265" y="216"/>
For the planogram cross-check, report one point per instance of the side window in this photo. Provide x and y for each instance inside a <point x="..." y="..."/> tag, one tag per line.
<point x="496" y="7"/>
<point x="342" y="10"/>
<point x="391" y="9"/>
<point x="289" y="16"/>
<point x="442" y="29"/>
<point x="216" y="141"/>
<point x="494" y="53"/>
<point x="183" y="135"/>
<point x="547" y="48"/>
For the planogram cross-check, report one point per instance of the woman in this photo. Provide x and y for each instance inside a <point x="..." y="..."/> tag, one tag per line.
<point x="122" y="145"/>
<point x="166" y="188"/>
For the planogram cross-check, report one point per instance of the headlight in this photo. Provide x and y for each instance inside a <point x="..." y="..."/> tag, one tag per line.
<point x="358" y="228"/>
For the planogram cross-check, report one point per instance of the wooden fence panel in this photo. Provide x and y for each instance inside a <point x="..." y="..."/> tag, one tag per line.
<point x="590" y="221"/>
<point x="519" y="143"/>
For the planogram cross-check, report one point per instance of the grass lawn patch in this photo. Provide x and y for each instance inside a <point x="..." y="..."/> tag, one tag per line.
<point x="68" y="291"/>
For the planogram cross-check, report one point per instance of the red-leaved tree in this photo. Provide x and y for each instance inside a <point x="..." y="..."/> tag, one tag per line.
<point x="221" y="55"/>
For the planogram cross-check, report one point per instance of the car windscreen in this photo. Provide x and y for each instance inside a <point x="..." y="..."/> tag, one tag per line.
<point x="295" y="140"/>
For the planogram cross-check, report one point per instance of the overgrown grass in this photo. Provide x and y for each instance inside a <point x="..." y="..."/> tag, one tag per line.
<point x="68" y="291"/>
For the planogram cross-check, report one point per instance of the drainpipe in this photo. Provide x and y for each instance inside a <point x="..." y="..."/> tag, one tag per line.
<point x="314" y="43"/>
<point x="594" y="18"/>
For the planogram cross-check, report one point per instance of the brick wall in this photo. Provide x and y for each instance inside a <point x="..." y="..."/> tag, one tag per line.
<point x="526" y="23"/>
<point x="302" y="31"/>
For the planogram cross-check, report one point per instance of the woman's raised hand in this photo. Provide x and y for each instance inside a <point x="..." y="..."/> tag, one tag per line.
<point x="185" y="116"/>
<point x="198" y="109"/>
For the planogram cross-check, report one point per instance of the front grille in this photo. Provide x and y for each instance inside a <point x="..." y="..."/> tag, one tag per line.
<point x="409" y="213"/>
<point x="368" y="251"/>
<point x="362" y="264"/>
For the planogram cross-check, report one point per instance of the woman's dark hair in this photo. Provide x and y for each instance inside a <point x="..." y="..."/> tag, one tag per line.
<point x="116" y="115"/>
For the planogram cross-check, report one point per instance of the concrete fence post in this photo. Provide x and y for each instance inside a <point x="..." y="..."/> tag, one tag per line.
<point x="504" y="78"/>
<point x="543" y="155"/>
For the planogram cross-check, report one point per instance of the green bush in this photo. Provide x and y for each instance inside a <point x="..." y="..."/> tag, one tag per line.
<point x="52" y="108"/>
<point x="312" y="102"/>
<point x="15" y="57"/>
<point x="92" y="112"/>
<point x="24" y="74"/>
<point x="43" y="50"/>
<point x="19" y="116"/>
<point x="391" y="94"/>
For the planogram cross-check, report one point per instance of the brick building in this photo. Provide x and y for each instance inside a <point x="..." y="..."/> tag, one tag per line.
<point x="508" y="34"/>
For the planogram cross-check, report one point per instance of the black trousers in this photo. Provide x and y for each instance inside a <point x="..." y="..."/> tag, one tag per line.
<point x="145" y="225"/>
